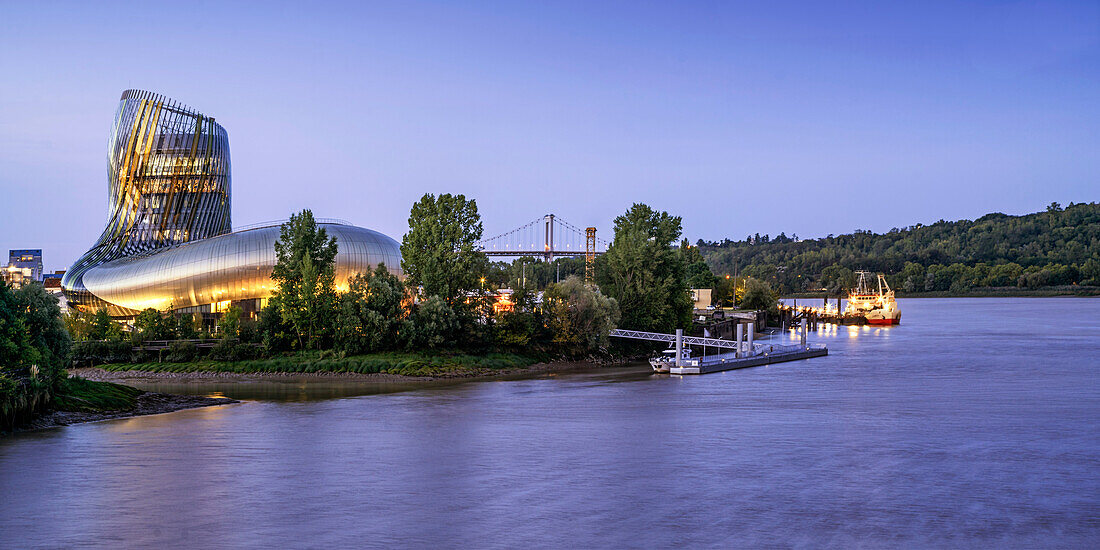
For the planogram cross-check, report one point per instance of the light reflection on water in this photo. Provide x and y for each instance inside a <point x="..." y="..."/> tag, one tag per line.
<point x="971" y="424"/>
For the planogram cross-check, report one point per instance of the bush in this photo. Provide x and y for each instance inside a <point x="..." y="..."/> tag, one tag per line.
<point x="433" y="324"/>
<point x="230" y="350"/>
<point x="181" y="352"/>
<point x="95" y="352"/>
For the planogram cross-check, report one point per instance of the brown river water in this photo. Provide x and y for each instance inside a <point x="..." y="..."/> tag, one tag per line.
<point x="972" y="424"/>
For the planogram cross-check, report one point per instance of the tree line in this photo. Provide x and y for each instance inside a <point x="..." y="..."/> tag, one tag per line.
<point x="1057" y="247"/>
<point x="447" y="301"/>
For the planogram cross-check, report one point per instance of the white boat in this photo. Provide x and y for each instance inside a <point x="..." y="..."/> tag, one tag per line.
<point x="667" y="359"/>
<point x="879" y="308"/>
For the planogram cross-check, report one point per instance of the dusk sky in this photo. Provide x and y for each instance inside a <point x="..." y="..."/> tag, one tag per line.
<point x="807" y="118"/>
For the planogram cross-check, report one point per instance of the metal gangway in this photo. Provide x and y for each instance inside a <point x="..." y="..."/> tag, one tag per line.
<point x="742" y="346"/>
<point x="671" y="338"/>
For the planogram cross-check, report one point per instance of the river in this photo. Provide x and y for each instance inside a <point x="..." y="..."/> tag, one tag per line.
<point x="975" y="423"/>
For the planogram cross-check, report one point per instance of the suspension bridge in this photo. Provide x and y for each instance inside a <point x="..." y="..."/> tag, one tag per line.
<point x="546" y="237"/>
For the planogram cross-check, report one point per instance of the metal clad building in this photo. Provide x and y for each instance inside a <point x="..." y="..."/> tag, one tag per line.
<point x="168" y="243"/>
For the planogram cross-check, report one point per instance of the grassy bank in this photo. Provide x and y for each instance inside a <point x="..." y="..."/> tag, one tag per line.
<point x="30" y="400"/>
<point x="405" y="364"/>
<point x="80" y="395"/>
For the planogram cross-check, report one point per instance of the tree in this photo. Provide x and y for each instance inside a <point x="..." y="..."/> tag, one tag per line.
<point x="440" y="252"/>
<point x="230" y="322"/>
<point x="102" y="327"/>
<point x="276" y="333"/>
<point x="42" y="319"/>
<point x="644" y="274"/>
<point x="758" y="295"/>
<point x="77" y="324"/>
<point x="434" y="323"/>
<point x="16" y="350"/>
<point x="580" y="317"/>
<point x="372" y="313"/>
<point x="188" y="326"/>
<point x="1090" y="272"/>
<point x="837" y="279"/>
<point x="151" y="324"/>
<point x="305" y="277"/>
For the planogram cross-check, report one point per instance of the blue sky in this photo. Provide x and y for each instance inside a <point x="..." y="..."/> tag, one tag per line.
<point x="750" y="117"/>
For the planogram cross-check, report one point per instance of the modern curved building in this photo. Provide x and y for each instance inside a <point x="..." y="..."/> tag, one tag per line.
<point x="168" y="243"/>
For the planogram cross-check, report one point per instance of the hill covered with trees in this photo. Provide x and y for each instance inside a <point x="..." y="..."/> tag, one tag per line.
<point x="1056" y="248"/>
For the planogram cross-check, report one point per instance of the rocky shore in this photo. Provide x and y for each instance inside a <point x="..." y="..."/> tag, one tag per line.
<point x="145" y="404"/>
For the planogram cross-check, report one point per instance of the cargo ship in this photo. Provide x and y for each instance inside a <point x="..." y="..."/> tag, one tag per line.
<point x="879" y="308"/>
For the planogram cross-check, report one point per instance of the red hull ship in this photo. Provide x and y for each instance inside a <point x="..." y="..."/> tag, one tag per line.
<point x="878" y="308"/>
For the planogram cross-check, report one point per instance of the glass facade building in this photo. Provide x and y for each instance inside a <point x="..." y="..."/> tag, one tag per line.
<point x="168" y="242"/>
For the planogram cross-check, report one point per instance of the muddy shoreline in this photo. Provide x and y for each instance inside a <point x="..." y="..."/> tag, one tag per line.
<point x="145" y="404"/>
<point x="150" y="403"/>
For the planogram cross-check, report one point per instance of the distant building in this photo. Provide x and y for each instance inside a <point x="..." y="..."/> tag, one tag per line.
<point x="16" y="277"/>
<point x="52" y="281"/>
<point x="27" y="259"/>
<point x="702" y="297"/>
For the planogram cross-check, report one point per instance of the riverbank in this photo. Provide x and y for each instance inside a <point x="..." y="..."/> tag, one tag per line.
<point x="76" y="400"/>
<point x="145" y="403"/>
<point x="401" y="365"/>
<point x="214" y="372"/>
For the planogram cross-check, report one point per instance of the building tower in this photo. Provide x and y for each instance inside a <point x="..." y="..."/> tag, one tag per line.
<point x="168" y="182"/>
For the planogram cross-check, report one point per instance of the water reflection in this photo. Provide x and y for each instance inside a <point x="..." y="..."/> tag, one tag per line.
<point x="940" y="432"/>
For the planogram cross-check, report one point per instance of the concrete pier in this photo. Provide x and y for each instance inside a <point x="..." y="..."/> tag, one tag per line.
<point x="729" y="361"/>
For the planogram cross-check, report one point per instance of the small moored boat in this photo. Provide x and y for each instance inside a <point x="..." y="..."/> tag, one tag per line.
<point x="667" y="359"/>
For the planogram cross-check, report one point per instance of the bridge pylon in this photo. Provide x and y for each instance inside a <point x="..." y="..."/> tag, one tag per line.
<point x="589" y="254"/>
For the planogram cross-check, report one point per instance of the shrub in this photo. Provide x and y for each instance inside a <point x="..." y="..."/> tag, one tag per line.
<point x="181" y="352"/>
<point x="94" y="352"/>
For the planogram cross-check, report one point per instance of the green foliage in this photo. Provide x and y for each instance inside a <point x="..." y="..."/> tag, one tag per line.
<point x="230" y="323"/>
<point x="838" y="279"/>
<point x="1090" y="272"/>
<point x="372" y="313"/>
<point x="276" y="333"/>
<point x="16" y="351"/>
<point x="1048" y="248"/>
<point x="227" y="350"/>
<point x="86" y="353"/>
<point x="33" y="341"/>
<point x="440" y="253"/>
<point x="579" y="317"/>
<point x="102" y="327"/>
<point x="403" y="363"/>
<point x="532" y="272"/>
<point x="759" y="295"/>
<point x="305" y="277"/>
<point x="77" y="324"/>
<point x="434" y="324"/>
<point x="180" y="352"/>
<point x="516" y="329"/>
<point x="42" y="321"/>
<point x="151" y="324"/>
<point x="644" y="274"/>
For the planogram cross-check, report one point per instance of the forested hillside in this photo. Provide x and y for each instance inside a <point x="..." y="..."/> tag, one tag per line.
<point x="1052" y="248"/>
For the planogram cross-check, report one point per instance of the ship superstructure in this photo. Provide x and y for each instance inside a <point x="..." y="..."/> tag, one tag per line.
<point x="876" y="305"/>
